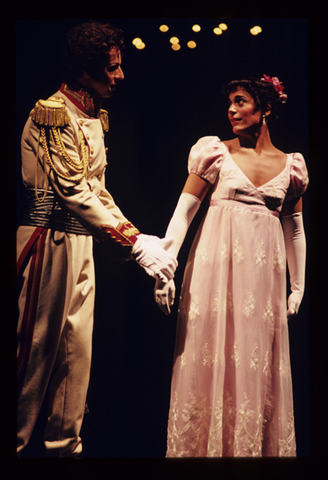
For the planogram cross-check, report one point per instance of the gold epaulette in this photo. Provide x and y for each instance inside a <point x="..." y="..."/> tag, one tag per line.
<point x="50" y="113"/>
<point x="103" y="116"/>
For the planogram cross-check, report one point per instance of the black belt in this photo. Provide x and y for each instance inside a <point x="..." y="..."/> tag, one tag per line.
<point x="49" y="213"/>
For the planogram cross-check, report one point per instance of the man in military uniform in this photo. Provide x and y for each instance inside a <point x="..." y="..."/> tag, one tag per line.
<point x="63" y="165"/>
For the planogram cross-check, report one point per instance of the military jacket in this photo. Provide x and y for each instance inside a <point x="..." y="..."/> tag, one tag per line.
<point x="63" y="151"/>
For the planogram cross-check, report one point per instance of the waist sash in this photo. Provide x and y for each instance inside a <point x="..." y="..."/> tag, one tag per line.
<point x="50" y="214"/>
<point x="249" y="206"/>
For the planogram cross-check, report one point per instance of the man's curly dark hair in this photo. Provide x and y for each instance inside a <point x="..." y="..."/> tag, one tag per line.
<point x="87" y="50"/>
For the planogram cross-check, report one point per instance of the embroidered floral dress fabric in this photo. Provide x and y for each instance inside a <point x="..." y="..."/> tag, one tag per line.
<point x="231" y="392"/>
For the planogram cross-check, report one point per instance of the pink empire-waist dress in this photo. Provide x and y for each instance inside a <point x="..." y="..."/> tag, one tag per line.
<point x="231" y="391"/>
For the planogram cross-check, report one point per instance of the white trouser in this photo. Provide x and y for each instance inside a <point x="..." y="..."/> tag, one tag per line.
<point x="55" y="322"/>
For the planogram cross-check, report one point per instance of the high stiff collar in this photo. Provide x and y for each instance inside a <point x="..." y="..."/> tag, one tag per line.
<point x="81" y="99"/>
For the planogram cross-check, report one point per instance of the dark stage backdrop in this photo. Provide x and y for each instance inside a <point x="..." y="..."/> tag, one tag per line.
<point x="168" y="100"/>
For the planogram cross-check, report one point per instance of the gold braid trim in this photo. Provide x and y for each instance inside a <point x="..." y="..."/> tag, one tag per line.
<point x="124" y="233"/>
<point x="119" y="240"/>
<point x="53" y="114"/>
<point x="81" y="167"/>
<point x="46" y="182"/>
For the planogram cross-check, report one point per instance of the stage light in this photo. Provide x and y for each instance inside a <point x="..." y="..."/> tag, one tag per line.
<point x="256" y="30"/>
<point x="217" y="31"/>
<point x="223" y="26"/>
<point x="175" y="46"/>
<point x="174" y="40"/>
<point x="196" y="28"/>
<point x="192" y="44"/>
<point x="163" y="28"/>
<point x="140" y="46"/>
<point x="136" y="41"/>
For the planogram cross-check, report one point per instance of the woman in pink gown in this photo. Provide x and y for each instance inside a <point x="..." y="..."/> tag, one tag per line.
<point x="231" y="391"/>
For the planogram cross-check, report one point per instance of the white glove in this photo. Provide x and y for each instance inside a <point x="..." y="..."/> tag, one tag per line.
<point x="186" y="209"/>
<point x="296" y="253"/>
<point x="151" y="254"/>
<point x="183" y="215"/>
<point x="164" y="294"/>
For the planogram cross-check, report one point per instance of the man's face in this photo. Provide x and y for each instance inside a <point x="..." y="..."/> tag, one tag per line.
<point x="113" y="74"/>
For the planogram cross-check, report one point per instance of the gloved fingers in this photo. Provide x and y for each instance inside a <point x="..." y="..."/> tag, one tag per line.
<point x="147" y="238"/>
<point x="168" y="272"/>
<point x="165" y="258"/>
<point x="154" y="272"/>
<point x="162" y="302"/>
<point x="166" y="269"/>
<point x="166" y="289"/>
<point x="163" y="273"/>
<point x="152" y="257"/>
<point x="166" y="242"/>
<point x="172" y="298"/>
<point x="164" y="295"/>
<point x="293" y="305"/>
<point x="290" y="313"/>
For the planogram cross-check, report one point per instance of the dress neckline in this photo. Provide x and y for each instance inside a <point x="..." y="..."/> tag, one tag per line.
<point x="244" y="174"/>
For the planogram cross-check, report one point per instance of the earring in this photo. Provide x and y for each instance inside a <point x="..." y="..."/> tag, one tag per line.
<point x="264" y="120"/>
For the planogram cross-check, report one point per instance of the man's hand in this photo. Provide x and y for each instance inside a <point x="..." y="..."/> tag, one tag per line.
<point x="164" y="294"/>
<point x="150" y="253"/>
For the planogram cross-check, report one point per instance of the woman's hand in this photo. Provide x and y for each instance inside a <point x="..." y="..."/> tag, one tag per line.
<point x="294" y="302"/>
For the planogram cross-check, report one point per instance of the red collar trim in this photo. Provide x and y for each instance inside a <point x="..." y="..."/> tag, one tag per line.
<point x="80" y="98"/>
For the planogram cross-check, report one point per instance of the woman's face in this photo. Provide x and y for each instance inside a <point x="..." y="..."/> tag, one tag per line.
<point x="243" y="114"/>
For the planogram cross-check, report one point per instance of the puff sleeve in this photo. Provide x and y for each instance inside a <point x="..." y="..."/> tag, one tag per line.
<point x="205" y="158"/>
<point x="299" y="178"/>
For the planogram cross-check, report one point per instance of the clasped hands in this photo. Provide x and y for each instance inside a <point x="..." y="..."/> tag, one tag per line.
<point x="152" y="254"/>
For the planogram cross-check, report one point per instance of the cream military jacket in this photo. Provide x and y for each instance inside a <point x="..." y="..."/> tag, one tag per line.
<point x="83" y="193"/>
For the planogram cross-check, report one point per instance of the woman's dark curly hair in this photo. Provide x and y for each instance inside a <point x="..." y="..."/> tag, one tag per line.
<point x="262" y="92"/>
<point x="87" y="50"/>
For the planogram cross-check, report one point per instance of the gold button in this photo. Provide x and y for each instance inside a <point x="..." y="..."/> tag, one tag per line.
<point x="92" y="151"/>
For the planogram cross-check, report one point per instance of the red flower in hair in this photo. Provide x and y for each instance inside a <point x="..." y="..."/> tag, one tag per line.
<point x="277" y="85"/>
